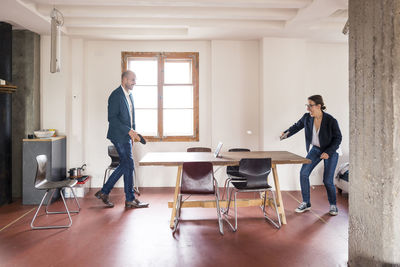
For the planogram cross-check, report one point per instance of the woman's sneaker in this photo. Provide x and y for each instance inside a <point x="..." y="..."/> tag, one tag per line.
<point x="333" y="210"/>
<point x="303" y="207"/>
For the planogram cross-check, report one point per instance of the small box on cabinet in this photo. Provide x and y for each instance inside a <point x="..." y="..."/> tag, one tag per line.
<point x="80" y="189"/>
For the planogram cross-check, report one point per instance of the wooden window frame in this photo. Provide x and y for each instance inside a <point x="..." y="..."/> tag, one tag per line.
<point x="161" y="57"/>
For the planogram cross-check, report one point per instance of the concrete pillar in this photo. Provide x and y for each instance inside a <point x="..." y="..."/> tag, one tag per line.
<point x="374" y="198"/>
<point x="26" y="100"/>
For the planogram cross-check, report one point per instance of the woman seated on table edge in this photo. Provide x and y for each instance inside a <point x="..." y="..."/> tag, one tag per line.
<point x="323" y="133"/>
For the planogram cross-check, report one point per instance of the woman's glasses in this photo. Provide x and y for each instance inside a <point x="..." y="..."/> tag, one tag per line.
<point x="310" y="105"/>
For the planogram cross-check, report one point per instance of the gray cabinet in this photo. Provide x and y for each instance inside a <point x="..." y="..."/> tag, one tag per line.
<point x="55" y="149"/>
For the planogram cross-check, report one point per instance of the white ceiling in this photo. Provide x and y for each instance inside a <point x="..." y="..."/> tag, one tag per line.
<point x="316" y="20"/>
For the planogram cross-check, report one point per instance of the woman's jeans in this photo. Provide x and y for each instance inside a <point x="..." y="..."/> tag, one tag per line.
<point x="125" y="167"/>
<point x="329" y="171"/>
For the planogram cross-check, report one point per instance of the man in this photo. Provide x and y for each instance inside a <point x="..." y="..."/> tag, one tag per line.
<point x="121" y="132"/>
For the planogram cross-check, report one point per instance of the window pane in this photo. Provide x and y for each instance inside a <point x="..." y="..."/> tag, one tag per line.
<point x="178" y="122"/>
<point x="146" y="121"/>
<point x="146" y="70"/>
<point x="178" y="97"/>
<point x="178" y="72"/>
<point x="145" y="96"/>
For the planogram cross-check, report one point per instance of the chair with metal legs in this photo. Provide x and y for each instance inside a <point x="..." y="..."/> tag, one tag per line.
<point x="233" y="174"/>
<point x="198" y="179"/>
<point x="256" y="172"/>
<point x="41" y="183"/>
<point x="113" y="154"/>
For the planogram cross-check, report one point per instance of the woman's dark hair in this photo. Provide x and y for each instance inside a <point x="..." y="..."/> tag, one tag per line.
<point x="318" y="101"/>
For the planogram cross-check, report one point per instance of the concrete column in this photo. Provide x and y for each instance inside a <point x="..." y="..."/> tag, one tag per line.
<point x="26" y="100"/>
<point x="374" y="198"/>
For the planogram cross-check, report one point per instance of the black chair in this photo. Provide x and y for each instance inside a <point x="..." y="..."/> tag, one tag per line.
<point x="198" y="179"/>
<point x="233" y="172"/>
<point x="198" y="149"/>
<point x="113" y="154"/>
<point x="256" y="172"/>
<point x="41" y="183"/>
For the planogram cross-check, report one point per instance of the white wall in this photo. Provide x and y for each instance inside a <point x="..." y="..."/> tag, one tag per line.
<point x="327" y="67"/>
<point x="103" y="70"/>
<point x="234" y="95"/>
<point x="54" y="86"/>
<point x="260" y="86"/>
<point x="61" y="95"/>
<point x="292" y="70"/>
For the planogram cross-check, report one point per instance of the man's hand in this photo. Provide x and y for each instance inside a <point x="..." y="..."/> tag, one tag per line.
<point x="324" y="156"/>
<point x="134" y="136"/>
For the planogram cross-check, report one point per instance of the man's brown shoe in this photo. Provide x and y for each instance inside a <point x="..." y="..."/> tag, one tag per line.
<point x="136" y="204"/>
<point x="104" y="197"/>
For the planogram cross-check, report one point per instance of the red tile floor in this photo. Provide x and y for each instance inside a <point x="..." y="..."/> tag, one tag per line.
<point x="141" y="237"/>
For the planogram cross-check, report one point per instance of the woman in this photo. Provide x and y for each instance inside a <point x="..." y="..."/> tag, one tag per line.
<point x="323" y="133"/>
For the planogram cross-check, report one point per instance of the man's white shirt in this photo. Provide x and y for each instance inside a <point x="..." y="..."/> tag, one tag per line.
<point x="129" y="103"/>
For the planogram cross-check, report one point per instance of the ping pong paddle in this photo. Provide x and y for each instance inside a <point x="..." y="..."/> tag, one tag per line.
<point x="142" y="140"/>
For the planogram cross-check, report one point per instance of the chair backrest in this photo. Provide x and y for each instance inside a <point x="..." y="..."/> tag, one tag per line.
<point x="256" y="173"/>
<point x="197" y="178"/>
<point x="255" y="167"/>
<point x="232" y="170"/>
<point x="198" y="149"/>
<point x="112" y="152"/>
<point x="41" y="169"/>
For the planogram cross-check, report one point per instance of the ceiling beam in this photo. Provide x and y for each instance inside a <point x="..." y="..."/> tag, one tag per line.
<point x="170" y="22"/>
<point x="128" y="33"/>
<point x="25" y="16"/>
<point x="185" y="3"/>
<point x="171" y="12"/>
<point x="316" y="11"/>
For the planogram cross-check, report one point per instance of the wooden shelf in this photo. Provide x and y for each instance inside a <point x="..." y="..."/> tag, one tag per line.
<point x="7" y="89"/>
<point x="49" y="139"/>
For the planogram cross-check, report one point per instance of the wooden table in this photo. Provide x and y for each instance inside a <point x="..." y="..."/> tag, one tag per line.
<point x="226" y="159"/>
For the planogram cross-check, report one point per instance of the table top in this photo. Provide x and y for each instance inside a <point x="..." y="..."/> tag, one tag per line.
<point x="277" y="157"/>
<point x="227" y="158"/>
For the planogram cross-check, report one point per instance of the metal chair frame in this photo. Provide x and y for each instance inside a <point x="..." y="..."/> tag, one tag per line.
<point x="236" y="191"/>
<point x="179" y="204"/>
<point x="230" y="177"/>
<point x="228" y="181"/>
<point x="67" y="211"/>
<point x="56" y="212"/>
<point x="263" y="194"/>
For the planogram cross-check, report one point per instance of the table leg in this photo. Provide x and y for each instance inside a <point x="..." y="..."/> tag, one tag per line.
<point x="279" y="201"/>
<point x="178" y="183"/>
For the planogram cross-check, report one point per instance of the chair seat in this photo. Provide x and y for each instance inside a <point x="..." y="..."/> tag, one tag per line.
<point x="197" y="187"/>
<point x="254" y="182"/>
<point x="244" y="187"/>
<point x="197" y="192"/>
<point x="55" y="184"/>
<point x="236" y="176"/>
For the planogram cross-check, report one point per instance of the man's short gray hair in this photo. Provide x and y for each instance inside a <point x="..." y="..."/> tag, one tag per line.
<point x="126" y="73"/>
